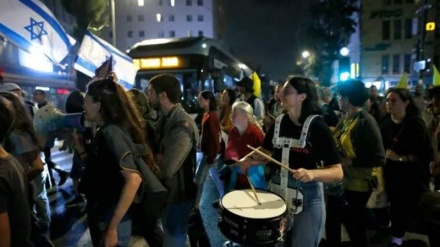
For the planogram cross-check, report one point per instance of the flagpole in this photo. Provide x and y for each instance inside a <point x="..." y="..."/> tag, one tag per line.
<point x="112" y="4"/>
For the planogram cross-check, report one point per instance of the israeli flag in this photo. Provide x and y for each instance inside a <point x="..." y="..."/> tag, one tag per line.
<point x="95" y="51"/>
<point x="32" y="26"/>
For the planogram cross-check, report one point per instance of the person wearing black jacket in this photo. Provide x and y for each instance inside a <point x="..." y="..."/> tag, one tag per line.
<point x="408" y="154"/>
<point x="359" y="141"/>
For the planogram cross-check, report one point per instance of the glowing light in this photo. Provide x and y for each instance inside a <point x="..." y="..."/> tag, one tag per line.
<point x="63" y="91"/>
<point x="158" y="62"/>
<point x="172" y="2"/>
<point x="305" y="54"/>
<point x="140" y="3"/>
<point x="159" y="17"/>
<point x="170" y="62"/>
<point x="35" y="60"/>
<point x="204" y="45"/>
<point x="43" y="88"/>
<point x="151" y="62"/>
<point x="344" y="76"/>
<point x="344" y="51"/>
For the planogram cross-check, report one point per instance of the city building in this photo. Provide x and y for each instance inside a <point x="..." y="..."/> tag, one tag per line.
<point x="137" y="20"/>
<point x="428" y="38"/>
<point x="388" y="37"/>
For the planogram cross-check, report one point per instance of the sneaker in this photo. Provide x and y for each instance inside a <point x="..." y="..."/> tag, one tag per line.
<point x="78" y="201"/>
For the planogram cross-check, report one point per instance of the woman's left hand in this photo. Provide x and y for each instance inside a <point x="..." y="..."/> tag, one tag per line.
<point x="303" y="175"/>
<point x="390" y="154"/>
<point x="110" y="238"/>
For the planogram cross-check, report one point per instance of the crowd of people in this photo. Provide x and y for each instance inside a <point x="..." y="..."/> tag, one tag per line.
<point x="349" y="151"/>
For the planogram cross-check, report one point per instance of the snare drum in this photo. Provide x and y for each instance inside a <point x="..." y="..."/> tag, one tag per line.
<point x="244" y="221"/>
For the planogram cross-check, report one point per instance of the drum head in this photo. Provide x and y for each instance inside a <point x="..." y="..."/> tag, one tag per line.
<point x="244" y="204"/>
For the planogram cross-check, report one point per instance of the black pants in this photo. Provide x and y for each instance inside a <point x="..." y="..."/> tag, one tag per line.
<point x="402" y="208"/>
<point x="335" y="207"/>
<point x="354" y="217"/>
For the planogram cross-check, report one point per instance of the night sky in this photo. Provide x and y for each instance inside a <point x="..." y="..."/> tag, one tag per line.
<point x="265" y="33"/>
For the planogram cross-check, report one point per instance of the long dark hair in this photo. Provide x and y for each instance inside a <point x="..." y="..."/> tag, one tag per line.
<point x="208" y="95"/>
<point x="310" y="105"/>
<point x="6" y="118"/>
<point x="404" y="94"/>
<point x="232" y="96"/>
<point x="22" y="122"/>
<point x="118" y="108"/>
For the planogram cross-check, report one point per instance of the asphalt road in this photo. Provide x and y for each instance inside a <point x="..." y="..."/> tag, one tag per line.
<point x="69" y="225"/>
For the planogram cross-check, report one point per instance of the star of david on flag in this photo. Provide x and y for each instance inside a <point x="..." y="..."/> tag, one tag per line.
<point x="96" y="53"/>
<point x="30" y="25"/>
<point x="36" y="29"/>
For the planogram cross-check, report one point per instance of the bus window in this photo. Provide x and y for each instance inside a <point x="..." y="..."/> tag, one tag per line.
<point x="189" y="86"/>
<point x="228" y="81"/>
<point x="208" y="84"/>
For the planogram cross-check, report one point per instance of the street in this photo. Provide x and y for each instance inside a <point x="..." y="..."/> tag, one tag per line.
<point x="69" y="225"/>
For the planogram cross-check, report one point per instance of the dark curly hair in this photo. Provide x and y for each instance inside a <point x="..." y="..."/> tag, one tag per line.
<point x="355" y="91"/>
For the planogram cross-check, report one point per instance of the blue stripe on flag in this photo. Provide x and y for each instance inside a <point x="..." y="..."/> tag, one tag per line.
<point x="52" y="22"/>
<point x="125" y="84"/>
<point x="90" y="67"/>
<point x="15" y="37"/>
<point x="109" y="49"/>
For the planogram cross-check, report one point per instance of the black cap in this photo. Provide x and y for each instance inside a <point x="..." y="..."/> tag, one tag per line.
<point x="247" y="83"/>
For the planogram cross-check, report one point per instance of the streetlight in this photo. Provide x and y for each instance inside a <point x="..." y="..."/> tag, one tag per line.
<point x="112" y="5"/>
<point x="305" y="54"/>
<point x="344" y="51"/>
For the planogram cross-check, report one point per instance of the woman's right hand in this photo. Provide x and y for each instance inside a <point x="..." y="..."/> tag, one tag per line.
<point x="245" y="163"/>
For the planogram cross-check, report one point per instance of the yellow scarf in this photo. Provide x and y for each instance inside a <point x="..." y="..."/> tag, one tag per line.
<point x="342" y="137"/>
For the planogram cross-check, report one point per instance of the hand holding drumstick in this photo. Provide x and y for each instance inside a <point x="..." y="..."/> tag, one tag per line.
<point x="300" y="174"/>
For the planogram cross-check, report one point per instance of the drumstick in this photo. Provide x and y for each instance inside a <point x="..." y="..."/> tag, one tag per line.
<point x="271" y="159"/>
<point x="249" y="154"/>
<point x="253" y="190"/>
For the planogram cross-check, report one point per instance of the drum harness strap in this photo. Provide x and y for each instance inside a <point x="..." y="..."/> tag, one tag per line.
<point x="293" y="196"/>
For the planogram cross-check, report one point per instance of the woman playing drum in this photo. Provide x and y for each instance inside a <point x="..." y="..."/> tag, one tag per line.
<point x="299" y="99"/>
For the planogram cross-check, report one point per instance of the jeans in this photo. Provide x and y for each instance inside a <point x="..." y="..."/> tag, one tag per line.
<point x="175" y="223"/>
<point x="39" y="196"/>
<point x="308" y="226"/>
<point x="200" y="177"/>
<point x="98" y="218"/>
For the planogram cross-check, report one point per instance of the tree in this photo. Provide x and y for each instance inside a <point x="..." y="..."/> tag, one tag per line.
<point x="328" y="33"/>
<point x="88" y="14"/>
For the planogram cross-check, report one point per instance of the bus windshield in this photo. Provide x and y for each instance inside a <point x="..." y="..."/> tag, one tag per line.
<point x="189" y="85"/>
